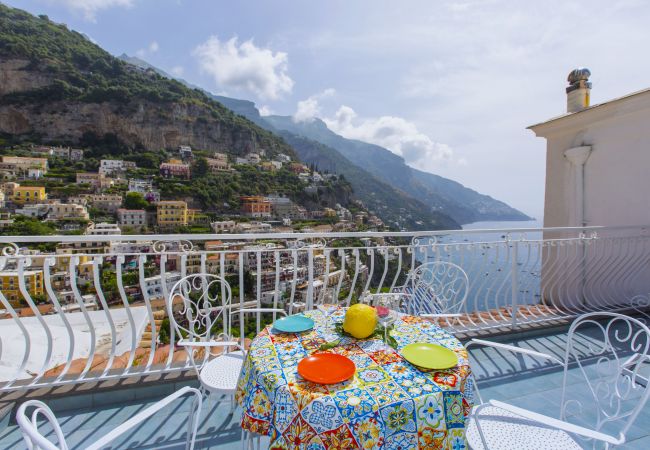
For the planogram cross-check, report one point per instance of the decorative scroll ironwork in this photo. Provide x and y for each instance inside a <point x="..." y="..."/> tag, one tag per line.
<point x="101" y="304"/>
<point x="612" y="362"/>
<point x="178" y="245"/>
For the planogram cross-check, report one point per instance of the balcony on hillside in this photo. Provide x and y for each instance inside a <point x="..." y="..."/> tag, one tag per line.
<point x="89" y="333"/>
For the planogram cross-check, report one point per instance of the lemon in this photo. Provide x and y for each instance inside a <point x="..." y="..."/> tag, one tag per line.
<point x="360" y="320"/>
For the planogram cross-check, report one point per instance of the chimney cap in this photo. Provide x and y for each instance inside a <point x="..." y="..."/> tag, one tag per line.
<point x="579" y="74"/>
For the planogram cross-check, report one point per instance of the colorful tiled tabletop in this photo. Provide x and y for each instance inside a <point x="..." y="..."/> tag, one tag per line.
<point x="389" y="403"/>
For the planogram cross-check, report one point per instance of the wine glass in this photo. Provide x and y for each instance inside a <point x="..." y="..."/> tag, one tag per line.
<point x="385" y="312"/>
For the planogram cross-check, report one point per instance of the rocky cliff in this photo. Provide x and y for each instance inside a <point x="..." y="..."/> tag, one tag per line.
<point x="56" y="86"/>
<point x="137" y="124"/>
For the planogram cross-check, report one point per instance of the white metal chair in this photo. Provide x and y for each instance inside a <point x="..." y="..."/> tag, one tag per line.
<point x="200" y="310"/>
<point x="436" y="290"/>
<point x="32" y="411"/>
<point x="617" y="391"/>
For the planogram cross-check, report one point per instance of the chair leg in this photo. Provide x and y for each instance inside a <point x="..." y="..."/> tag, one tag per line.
<point x="209" y="400"/>
<point x="246" y="440"/>
<point x="193" y="423"/>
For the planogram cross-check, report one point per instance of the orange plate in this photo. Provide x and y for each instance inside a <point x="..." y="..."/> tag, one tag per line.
<point x="326" y="368"/>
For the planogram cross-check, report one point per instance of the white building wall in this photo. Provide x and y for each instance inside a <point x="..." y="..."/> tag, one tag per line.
<point x="615" y="191"/>
<point x="616" y="181"/>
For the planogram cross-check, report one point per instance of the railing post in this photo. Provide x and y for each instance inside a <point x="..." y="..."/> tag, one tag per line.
<point x="310" y="275"/>
<point x="515" y="281"/>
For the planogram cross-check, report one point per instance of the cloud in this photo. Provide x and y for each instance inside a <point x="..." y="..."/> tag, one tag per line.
<point x="152" y="48"/>
<point x="245" y="66"/>
<point x="90" y="8"/>
<point x="394" y="133"/>
<point x="308" y="109"/>
<point x="177" y="71"/>
<point x="265" y="110"/>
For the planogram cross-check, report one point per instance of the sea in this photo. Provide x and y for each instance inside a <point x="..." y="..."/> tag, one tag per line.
<point x="487" y="260"/>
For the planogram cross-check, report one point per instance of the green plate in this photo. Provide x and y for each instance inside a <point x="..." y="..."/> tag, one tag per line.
<point x="429" y="356"/>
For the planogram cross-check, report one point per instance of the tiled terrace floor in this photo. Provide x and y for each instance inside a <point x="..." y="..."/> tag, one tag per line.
<point x="517" y="380"/>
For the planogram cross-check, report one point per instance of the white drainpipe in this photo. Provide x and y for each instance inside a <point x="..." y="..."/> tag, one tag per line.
<point x="578" y="156"/>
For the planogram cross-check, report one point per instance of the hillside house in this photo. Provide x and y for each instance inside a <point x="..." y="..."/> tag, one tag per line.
<point x="109" y="203"/>
<point x="109" y="167"/>
<point x="97" y="181"/>
<point x="255" y="206"/>
<point x="218" y="165"/>
<point x="134" y="218"/>
<point x="103" y="229"/>
<point x="185" y="152"/>
<point x="223" y="226"/>
<point x="28" y="195"/>
<point x="175" y="168"/>
<point x="153" y="286"/>
<point x="23" y="163"/>
<point x="172" y="213"/>
<point x="72" y="154"/>
<point x="11" y="286"/>
<point x="36" y="211"/>
<point x="298" y="168"/>
<point x="140" y="186"/>
<point x="61" y="211"/>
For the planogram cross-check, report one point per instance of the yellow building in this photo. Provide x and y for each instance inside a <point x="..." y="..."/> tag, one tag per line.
<point x="172" y="213"/>
<point x="29" y="195"/>
<point x="62" y="263"/>
<point x="10" y="287"/>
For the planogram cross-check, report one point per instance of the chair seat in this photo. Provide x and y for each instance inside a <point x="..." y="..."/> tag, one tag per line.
<point x="221" y="374"/>
<point x="504" y="430"/>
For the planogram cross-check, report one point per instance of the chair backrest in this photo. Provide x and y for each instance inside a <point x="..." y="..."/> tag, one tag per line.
<point x="436" y="287"/>
<point x="28" y="423"/>
<point x="198" y="306"/>
<point x="609" y="351"/>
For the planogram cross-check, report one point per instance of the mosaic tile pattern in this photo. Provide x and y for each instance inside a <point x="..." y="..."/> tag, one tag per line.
<point x="389" y="402"/>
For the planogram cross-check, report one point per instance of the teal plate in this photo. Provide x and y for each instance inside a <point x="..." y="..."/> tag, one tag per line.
<point x="293" y="324"/>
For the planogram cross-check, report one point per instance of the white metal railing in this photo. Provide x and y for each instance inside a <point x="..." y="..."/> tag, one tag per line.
<point x="89" y="308"/>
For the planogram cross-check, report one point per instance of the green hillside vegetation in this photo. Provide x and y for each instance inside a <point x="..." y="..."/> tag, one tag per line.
<point x="392" y="205"/>
<point x="464" y="205"/>
<point x="217" y="193"/>
<point x="129" y="113"/>
<point x="221" y="192"/>
<point x="81" y="71"/>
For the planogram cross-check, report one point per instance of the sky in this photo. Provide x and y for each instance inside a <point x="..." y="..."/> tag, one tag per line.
<point x="449" y="85"/>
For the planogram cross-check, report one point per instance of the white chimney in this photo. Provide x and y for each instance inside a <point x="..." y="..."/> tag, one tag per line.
<point x="577" y="94"/>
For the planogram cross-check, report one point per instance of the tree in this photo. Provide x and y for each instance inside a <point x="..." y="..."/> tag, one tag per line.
<point x="200" y="168"/>
<point x="135" y="200"/>
<point x="27" y="226"/>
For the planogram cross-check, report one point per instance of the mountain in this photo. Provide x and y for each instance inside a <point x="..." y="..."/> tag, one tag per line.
<point x="56" y="86"/>
<point x="392" y="205"/>
<point x="434" y="192"/>
<point x="244" y="108"/>
<point x="395" y="207"/>
<point x="463" y="204"/>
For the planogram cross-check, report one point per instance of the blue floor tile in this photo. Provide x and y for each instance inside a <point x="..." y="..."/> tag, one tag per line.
<point x="519" y="380"/>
